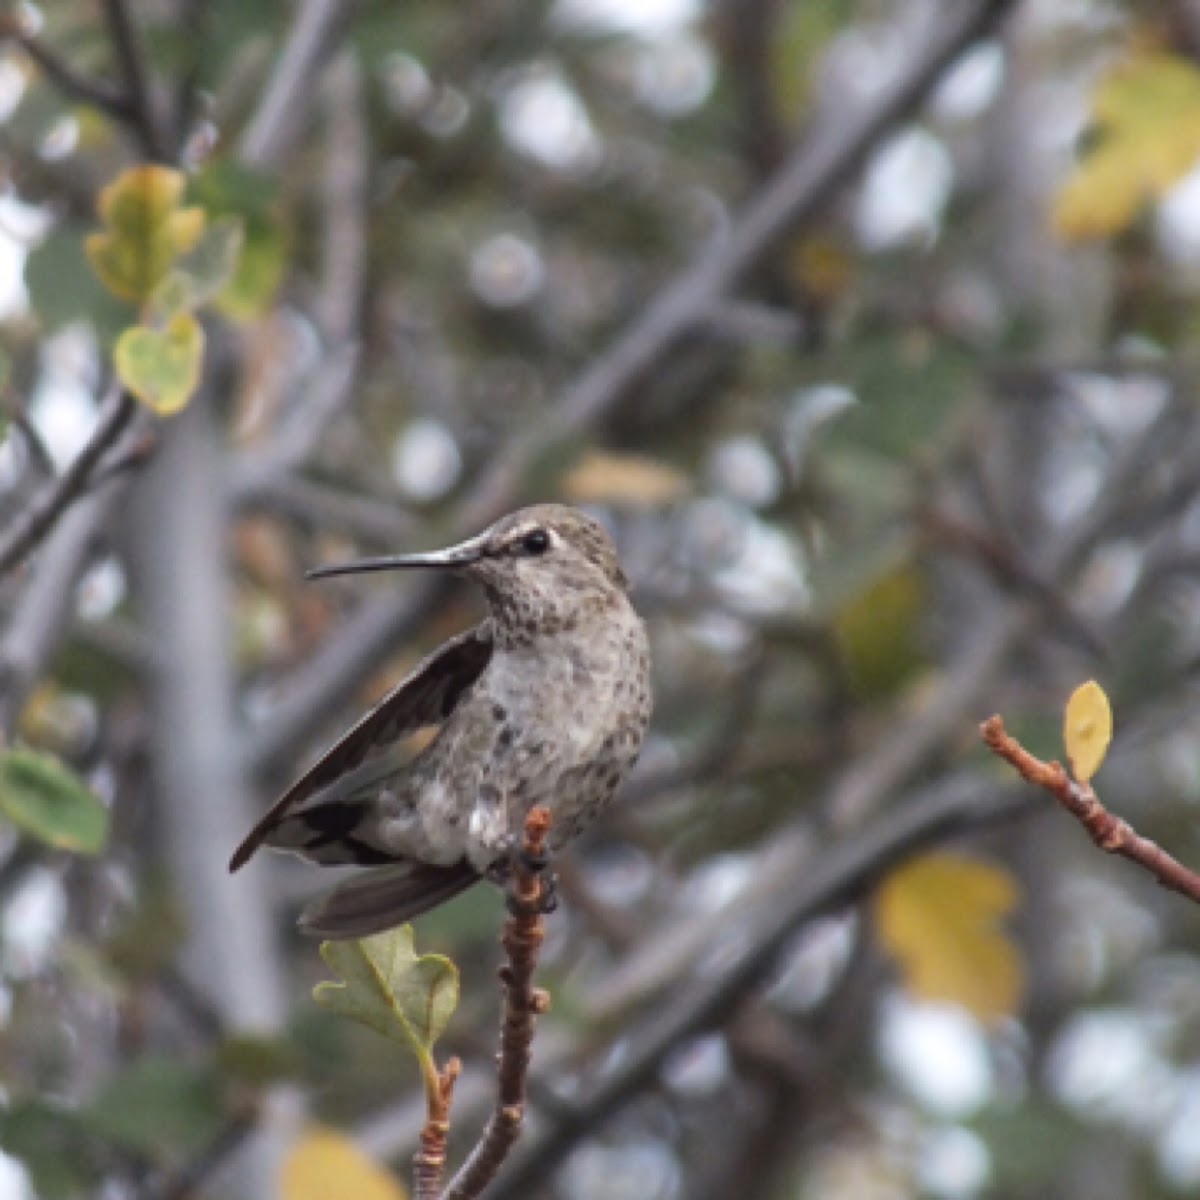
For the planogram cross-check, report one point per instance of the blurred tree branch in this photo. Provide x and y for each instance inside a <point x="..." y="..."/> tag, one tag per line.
<point x="45" y="605"/>
<point x="39" y="516"/>
<point x="314" y="37"/>
<point x="74" y="84"/>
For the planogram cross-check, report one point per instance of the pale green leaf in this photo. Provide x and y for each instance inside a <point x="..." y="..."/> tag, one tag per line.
<point x="161" y="367"/>
<point x="204" y="272"/>
<point x="41" y="796"/>
<point x="404" y="996"/>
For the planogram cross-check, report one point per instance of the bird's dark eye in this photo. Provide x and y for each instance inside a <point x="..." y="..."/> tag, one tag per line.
<point x="536" y="541"/>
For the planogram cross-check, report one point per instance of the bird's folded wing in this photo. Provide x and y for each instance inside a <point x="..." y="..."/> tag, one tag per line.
<point x="425" y="697"/>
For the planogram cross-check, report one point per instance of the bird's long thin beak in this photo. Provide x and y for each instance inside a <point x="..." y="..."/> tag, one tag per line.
<point x="450" y="559"/>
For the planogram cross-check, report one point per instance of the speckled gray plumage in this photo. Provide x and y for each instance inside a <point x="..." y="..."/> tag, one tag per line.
<point x="546" y="702"/>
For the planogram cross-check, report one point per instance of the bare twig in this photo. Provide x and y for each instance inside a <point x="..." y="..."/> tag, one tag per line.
<point x="1005" y="563"/>
<point x="33" y="522"/>
<point x="299" y="433"/>
<point x="523" y="1004"/>
<point x="132" y="61"/>
<point x="193" y="19"/>
<point x="429" y="1163"/>
<point x="61" y="73"/>
<point x="338" y="306"/>
<point x="178" y="547"/>
<point x="279" y="120"/>
<point x="1110" y="833"/>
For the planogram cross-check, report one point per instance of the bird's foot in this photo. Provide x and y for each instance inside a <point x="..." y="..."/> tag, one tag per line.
<point x="546" y="902"/>
<point x="503" y="874"/>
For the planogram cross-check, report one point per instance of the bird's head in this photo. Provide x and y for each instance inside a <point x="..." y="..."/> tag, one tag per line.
<point x="543" y="567"/>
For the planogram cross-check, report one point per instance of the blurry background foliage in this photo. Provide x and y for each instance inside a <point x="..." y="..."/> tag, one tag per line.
<point x="359" y="276"/>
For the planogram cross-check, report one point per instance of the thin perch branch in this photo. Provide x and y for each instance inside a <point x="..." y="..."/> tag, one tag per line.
<point x="523" y="1004"/>
<point x="1110" y="833"/>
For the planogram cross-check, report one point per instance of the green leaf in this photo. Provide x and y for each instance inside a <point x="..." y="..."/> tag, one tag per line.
<point x="145" y="230"/>
<point x="64" y="289"/>
<point x="147" y="936"/>
<point x="157" y="1106"/>
<point x="405" y="997"/>
<point x="227" y="189"/>
<point x="259" y="273"/>
<point x="162" y="367"/>
<point x="52" y="1145"/>
<point x="878" y="633"/>
<point x="43" y="797"/>
<point x="257" y="1061"/>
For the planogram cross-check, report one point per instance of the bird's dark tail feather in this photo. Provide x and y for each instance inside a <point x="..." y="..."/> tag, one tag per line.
<point x="383" y="897"/>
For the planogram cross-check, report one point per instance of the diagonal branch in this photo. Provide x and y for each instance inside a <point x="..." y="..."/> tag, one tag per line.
<point x="1110" y="833"/>
<point x="36" y="519"/>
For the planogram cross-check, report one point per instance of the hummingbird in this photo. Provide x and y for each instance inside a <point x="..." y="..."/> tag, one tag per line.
<point x="546" y="702"/>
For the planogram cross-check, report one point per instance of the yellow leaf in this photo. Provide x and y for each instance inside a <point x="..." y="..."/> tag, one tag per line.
<point x="1087" y="729"/>
<point x="939" y="916"/>
<point x="140" y="197"/>
<point x="878" y="633"/>
<point x="145" y="230"/>
<point x="1146" y="136"/>
<point x="162" y="367"/>
<point x="631" y="479"/>
<point x="326" y="1165"/>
